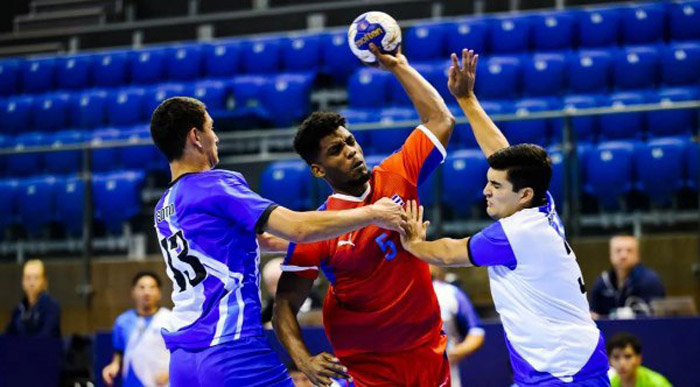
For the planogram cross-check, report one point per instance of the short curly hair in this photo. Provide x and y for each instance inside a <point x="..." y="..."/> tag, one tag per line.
<point x="315" y="127"/>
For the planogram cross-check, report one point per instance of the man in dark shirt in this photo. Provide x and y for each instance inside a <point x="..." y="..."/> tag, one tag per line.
<point x="627" y="289"/>
<point x="38" y="314"/>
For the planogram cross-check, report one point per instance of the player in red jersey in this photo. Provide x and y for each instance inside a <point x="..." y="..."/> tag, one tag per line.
<point x="380" y="314"/>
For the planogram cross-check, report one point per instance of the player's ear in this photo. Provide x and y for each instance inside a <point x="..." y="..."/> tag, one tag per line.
<point x="318" y="171"/>
<point x="527" y="194"/>
<point x="195" y="137"/>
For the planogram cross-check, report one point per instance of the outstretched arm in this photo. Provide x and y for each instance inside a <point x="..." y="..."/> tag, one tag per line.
<point x="428" y="103"/>
<point x="461" y="84"/>
<point x="441" y="252"/>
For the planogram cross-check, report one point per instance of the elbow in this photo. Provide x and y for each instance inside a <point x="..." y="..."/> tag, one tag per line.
<point x="444" y="120"/>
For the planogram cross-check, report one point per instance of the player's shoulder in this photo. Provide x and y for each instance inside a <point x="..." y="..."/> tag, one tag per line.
<point x="126" y="318"/>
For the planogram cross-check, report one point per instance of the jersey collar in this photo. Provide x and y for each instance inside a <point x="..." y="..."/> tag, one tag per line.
<point x="357" y="199"/>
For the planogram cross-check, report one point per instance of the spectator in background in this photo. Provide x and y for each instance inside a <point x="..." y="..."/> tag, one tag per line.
<point x="139" y="350"/>
<point x="626" y="290"/>
<point x="38" y="314"/>
<point x="625" y="354"/>
<point x="460" y="322"/>
<point x="271" y="273"/>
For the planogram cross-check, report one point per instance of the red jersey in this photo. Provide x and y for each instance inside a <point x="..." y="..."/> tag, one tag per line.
<point x="380" y="298"/>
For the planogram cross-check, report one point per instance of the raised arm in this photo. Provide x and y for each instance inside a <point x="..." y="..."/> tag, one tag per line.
<point x="304" y="227"/>
<point x="461" y="84"/>
<point x="442" y="252"/>
<point x="428" y="103"/>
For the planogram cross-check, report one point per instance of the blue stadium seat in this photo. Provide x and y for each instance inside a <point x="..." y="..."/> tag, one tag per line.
<point x="369" y="88"/>
<point x="50" y="112"/>
<point x="184" y="62"/>
<point x="553" y="30"/>
<point x="637" y="67"/>
<point x="38" y="75"/>
<point x="88" y="109"/>
<point x="261" y="56"/>
<point x="469" y="33"/>
<point x="462" y="135"/>
<point x="212" y="93"/>
<point x="585" y="127"/>
<point x="359" y="117"/>
<point x="25" y="163"/>
<point x="672" y="122"/>
<point x="111" y="68"/>
<point x="691" y="161"/>
<point x="463" y="180"/>
<point x="64" y="161"/>
<point x="9" y="76"/>
<point x="643" y="23"/>
<point x="36" y="200"/>
<point x="295" y="177"/>
<point x="398" y="96"/>
<point x="4" y="143"/>
<point x="124" y="107"/>
<point x="147" y="66"/>
<point x="684" y="20"/>
<point x="8" y="203"/>
<point x="599" y="27"/>
<point x="301" y="52"/>
<point x="510" y="34"/>
<point x="624" y="125"/>
<point x="338" y="60"/>
<point x="137" y="157"/>
<point x="74" y="72"/>
<point x="16" y="114"/>
<point x="70" y="198"/>
<point x="680" y="64"/>
<point x="529" y="131"/>
<point x="105" y="159"/>
<point x="222" y="59"/>
<point x="390" y="140"/>
<point x="248" y="105"/>
<point x="556" y="185"/>
<point x="117" y="198"/>
<point x="610" y="172"/>
<point x="499" y="77"/>
<point x="544" y="75"/>
<point x="590" y="71"/>
<point x="157" y="94"/>
<point x="659" y="164"/>
<point x="425" y="41"/>
<point x="287" y="98"/>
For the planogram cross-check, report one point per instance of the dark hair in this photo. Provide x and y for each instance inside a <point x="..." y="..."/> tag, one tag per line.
<point x="527" y="165"/>
<point x="315" y="127"/>
<point x="622" y="340"/>
<point x="172" y="120"/>
<point x="142" y="274"/>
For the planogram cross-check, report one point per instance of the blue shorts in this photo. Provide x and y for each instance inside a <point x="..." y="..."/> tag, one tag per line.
<point x="597" y="381"/>
<point x="245" y="362"/>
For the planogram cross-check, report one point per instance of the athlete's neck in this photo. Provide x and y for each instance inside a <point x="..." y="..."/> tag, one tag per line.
<point x="183" y="166"/>
<point x="356" y="191"/>
<point x="630" y="381"/>
<point x="622" y="275"/>
<point x="146" y="311"/>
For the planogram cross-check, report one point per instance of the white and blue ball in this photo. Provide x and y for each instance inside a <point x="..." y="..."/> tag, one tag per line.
<point x="374" y="27"/>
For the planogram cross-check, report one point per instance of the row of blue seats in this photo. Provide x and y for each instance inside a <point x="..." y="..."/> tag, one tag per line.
<point x="586" y="71"/>
<point x="328" y="51"/>
<point x="609" y="171"/>
<point x="37" y="201"/>
<point x="283" y="99"/>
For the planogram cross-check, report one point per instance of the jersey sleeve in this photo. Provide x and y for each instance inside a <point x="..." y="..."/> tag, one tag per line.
<point x="304" y="259"/>
<point x="467" y="319"/>
<point x="234" y="200"/>
<point x="419" y="156"/>
<point x="490" y="247"/>
<point x="118" y="339"/>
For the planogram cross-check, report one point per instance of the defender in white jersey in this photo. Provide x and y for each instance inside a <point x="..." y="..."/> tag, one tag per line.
<point x="536" y="284"/>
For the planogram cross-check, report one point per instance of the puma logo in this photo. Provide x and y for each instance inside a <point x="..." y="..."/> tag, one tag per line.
<point x="346" y="243"/>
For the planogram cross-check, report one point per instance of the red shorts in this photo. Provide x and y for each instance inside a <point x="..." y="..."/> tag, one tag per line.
<point x="425" y="366"/>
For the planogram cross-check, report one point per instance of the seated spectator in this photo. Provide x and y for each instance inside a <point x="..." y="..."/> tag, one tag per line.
<point x="626" y="290"/>
<point x="38" y="314"/>
<point x="459" y="321"/>
<point x="625" y="354"/>
<point x="271" y="273"/>
<point x="140" y="354"/>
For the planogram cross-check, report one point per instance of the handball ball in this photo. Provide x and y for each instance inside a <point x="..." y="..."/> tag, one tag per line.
<point x="374" y="27"/>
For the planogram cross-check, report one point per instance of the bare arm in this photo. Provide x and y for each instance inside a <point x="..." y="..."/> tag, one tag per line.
<point x="461" y="84"/>
<point x="428" y="103"/>
<point x="468" y="346"/>
<point x="292" y="290"/>
<point x="272" y="244"/>
<point x="110" y="372"/>
<point x="441" y="252"/>
<point x="304" y="227"/>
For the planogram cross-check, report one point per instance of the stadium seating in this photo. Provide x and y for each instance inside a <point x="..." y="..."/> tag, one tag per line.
<point x="544" y="75"/>
<point x="467" y="33"/>
<point x="692" y="161"/>
<point x="50" y="112"/>
<point x="680" y="64"/>
<point x="111" y="68"/>
<point x="358" y="117"/>
<point x="70" y="199"/>
<point x="153" y="97"/>
<point x="659" y="164"/>
<point x="390" y="140"/>
<point x="25" y="163"/>
<point x="624" y="125"/>
<point x="16" y="114"/>
<point x="610" y="172"/>
<point x="88" y="109"/>
<point x="286" y="98"/>
<point x="74" y="72"/>
<point x="38" y="75"/>
<point x="636" y="67"/>
<point x="261" y="56"/>
<point x="643" y="23"/>
<point x="426" y="191"/>
<point x="222" y="58"/>
<point x="398" y="96"/>
<point x="9" y="76"/>
<point x="64" y="161"/>
<point x="138" y="156"/>
<point x="213" y="93"/>
<point x="463" y="180"/>
<point x="36" y="203"/>
<point x="553" y="30"/>
<point x="529" y="131"/>
<point x="368" y="88"/>
<point x="8" y="203"/>
<point x="301" y="52"/>
<point x="672" y="122"/>
<point x="499" y="77"/>
<point x="105" y="159"/>
<point x="684" y="20"/>
<point x="556" y="185"/>
<point x="125" y="107"/>
<point x="589" y="71"/>
<point x="425" y="41"/>
<point x="147" y="66"/>
<point x="117" y="198"/>
<point x="247" y="93"/>
<point x="510" y="34"/>
<point x="338" y="60"/>
<point x="585" y="127"/>
<point x="598" y="27"/>
<point x="184" y="62"/>
<point x="294" y="175"/>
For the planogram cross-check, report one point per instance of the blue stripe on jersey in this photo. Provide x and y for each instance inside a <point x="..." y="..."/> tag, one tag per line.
<point x="429" y="165"/>
<point x="328" y="271"/>
<point x="490" y="247"/>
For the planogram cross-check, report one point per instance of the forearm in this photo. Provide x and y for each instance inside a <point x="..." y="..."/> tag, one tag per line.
<point x="442" y="252"/>
<point x="272" y="244"/>
<point x="487" y="134"/>
<point x="288" y="331"/>
<point x="305" y="227"/>
<point x="427" y="101"/>
<point x="470" y="344"/>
